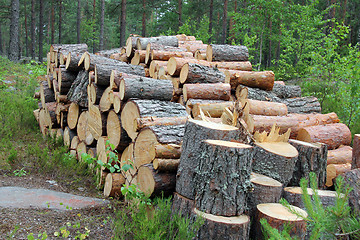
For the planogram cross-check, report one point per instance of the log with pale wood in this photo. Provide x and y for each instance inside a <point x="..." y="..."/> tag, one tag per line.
<point x="220" y="227"/>
<point x="264" y="190"/>
<point x="74" y="142"/>
<point x="312" y="158"/>
<point x="172" y="41"/>
<point x="131" y="45"/>
<point x="141" y="108"/>
<point x="145" y="88"/>
<point x="166" y="165"/>
<point x="120" y="57"/>
<point x="333" y="135"/>
<point x="106" y="100"/>
<point x="68" y="136"/>
<point x="127" y="157"/>
<point x="196" y="73"/>
<point x="149" y="138"/>
<point x="80" y="149"/>
<point x="115" y="132"/>
<point x="212" y="108"/>
<point x="154" y="65"/>
<point x="278" y="216"/>
<point x="155" y="183"/>
<point x="356" y="152"/>
<point x="226" y="53"/>
<point x="294" y="196"/>
<point x="166" y="55"/>
<point x="341" y="155"/>
<point x="113" y="184"/>
<point x="191" y="47"/>
<point x="156" y="47"/>
<point x="139" y="57"/>
<point x="220" y="188"/>
<point x="213" y="91"/>
<point x="175" y="64"/>
<point x="101" y="144"/>
<point x="257" y="107"/>
<point x="46" y="93"/>
<point x="82" y="128"/>
<point x="94" y="93"/>
<point x="96" y="121"/>
<point x="64" y="49"/>
<point x="263" y="80"/>
<point x="334" y="170"/>
<point x="293" y="121"/>
<point x="223" y="66"/>
<point x="195" y="132"/>
<point x="72" y="61"/>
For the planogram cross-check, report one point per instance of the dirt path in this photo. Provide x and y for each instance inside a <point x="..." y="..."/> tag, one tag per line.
<point x="98" y="219"/>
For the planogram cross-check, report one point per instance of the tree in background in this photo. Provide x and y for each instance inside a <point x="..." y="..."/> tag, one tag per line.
<point x="41" y="28"/>
<point x="14" y="44"/>
<point x="123" y="23"/>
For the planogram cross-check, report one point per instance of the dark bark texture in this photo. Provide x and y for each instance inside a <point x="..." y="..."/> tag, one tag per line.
<point x="202" y="74"/>
<point x="162" y="40"/>
<point x="14" y="45"/>
<point x="229" y="53"/>
<point x="168" y="134"/>
<point x="157" y="108"/>
<point x="352" y="178"/>
<point x="78" y="90"/>
<point x="182" y="205"/>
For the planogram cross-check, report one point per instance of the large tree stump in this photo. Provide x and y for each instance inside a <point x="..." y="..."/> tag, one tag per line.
<point x="294" y="196"/>
<point x="352" y="178"/>
<point x="113" y="184"/>
<point x="222" y="177"/>
<point x="154" y="183"/>
<point x="356" y="152"/>
<point x="341" y="155"/>
<point x="265" y="190"/>
<point x="145" y="88"/>
<point x="196" y="73"/>
<point x="223" y="228"/>
<point x="138" y="108"/>
<point x="312" y="158"/>
<point x="195" y="132"/>
<point x="115" y="132"/>
<point x="78" y="91"/>
<point x="263" y="80"/>
<point x="172" y="41"/>
<point x="333" y="135"/>
<point x="277" y="216"/>
<point x="226" y="53"/>
<point x="182" y="205"/>
<point x="149" y="138"/>
<point x="214" y="91"/>
<point x="276" y="160"/>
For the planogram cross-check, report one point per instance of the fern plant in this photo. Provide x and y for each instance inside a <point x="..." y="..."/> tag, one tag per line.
<point x="332" y="222"/>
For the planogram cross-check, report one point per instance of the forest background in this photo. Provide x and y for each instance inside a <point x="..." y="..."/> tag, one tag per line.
<point x="313" y="43"/>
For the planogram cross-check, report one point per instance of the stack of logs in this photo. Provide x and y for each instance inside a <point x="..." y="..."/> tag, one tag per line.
<point x="166" y="105"/>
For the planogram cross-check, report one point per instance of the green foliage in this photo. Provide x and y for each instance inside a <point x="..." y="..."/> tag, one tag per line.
<point x="198" y="29"/>
<point x="20" y="172"/>
<point x="332" y="222"/>
<point x="157" y="222"/>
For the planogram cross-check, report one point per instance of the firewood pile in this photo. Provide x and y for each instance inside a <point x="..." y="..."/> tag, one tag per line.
<point x="195" y="121"/>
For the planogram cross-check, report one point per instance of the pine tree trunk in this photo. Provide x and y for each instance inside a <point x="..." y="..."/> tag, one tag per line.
<point x="78" y="21"/>
<point x="356" y="152"/>
<point x="101" y="43"/>
<point x="123" y="23"/>
<point x="52" y="22"/>
<point x="211" y="10"/>
<point x="224" y="27"/>
<point x="143" y="21"/>
<point x="26" y="32"/>
<point x="60" y="21"/>
<point x="14" y="45"/>
<point x="32" y="30"/>
<point x="41" y="25"/>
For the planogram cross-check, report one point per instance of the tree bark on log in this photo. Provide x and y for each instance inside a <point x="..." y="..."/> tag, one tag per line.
<point x="95" y="93"/>
<point x="226" y="53"/>
<point x="182" y="205"/>
<point x="275" y="160"/>
<point x="341" y="155"/>
<point x="72" y="62"/>
<point x="175" y="64"/>
<point x="333" y="135"/>
<point x="356" y="152"/>
<point x="145" y="88"/>
<point x="152" y="121"/>
<point x="257" y="107"/>
<point x="286" y="91"/>
<point x="213" y="91"/>
<point x="139" y="57"/>
<point x="46" y="93"/>
<point x="223" y="228"/>
<point x="166" y="55"/>
<point x="148" y="138"/>
<point x="312" y="158"/>
<point x="293" y="121"/>
<point x="109" y="52"/>
<point x="78" y="90"/>
<point x="195" y="132"/>
<point x="302" y="105"/>
<point x="294" y="196"/>
<point x="166" y="165"/>
<point x="172" y="41"/>
<point x="64" y="49"/>
<point x="115" y="132"/>
<point x="277" y="216"/>
<point x="113" y="184"/>
<point x="195" y="73"/>
<point x="241" y="66"/>
<point x="138" y="108"/>
<point x="263" y="80"/>
<point x="65" y="80"/>
<point x="154" y="183"/>
<point x="167" y="151"/>
<point x="220" y="188"/>
<point x="351" y="178"/>
<point x="265" y="190"/>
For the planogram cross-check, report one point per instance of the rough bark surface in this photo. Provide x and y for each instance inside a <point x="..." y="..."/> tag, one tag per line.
<point x="286" y="91"/>
<point x="356" y="152"/>
<point x="243" y="66"/>
<point x="182" y="205"/>
<point x="223" y="228"/>
<point x="195" y="132"/>
<point x="196" y="73"/>
<point x="214" y="91"/>
<point x="227" y="53"/>
<point x="352" y="178"/>
<point x="222" y="177"/>
<point x="72" y="61"/>
<point x="109" y="52"/>
<point x="263" y="80"/>
<point x="273" y="165"/>
<point x="162" y="40"/>
<point x="303" y="105"/>
<point x="168" y="134"/>
<point x="78" y="90"/>
<point x="312" y="158"/>
<point x="146" y="88"/>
